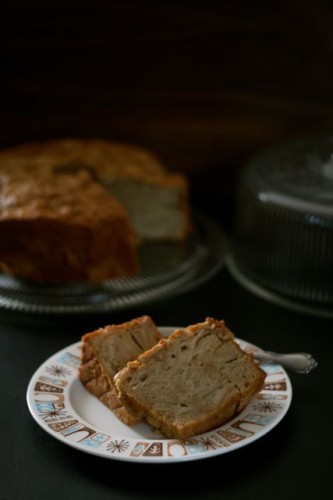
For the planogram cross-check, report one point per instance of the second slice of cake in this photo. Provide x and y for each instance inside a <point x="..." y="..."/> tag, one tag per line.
<point x="107" y="350"/>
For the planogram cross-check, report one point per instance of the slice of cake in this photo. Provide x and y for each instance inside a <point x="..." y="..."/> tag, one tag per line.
<point x="191" y="382"/>
<point x="106" y="351"/>
<point x="61" y="228"/>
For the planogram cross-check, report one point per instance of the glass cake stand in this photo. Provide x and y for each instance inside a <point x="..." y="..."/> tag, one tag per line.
<point x="282" y="245"/>
<point x="167" y="269"/>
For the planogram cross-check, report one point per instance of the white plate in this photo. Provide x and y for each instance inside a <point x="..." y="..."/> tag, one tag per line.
<point x="62" y="407"/>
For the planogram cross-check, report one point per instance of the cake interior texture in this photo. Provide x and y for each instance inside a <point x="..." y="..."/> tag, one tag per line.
<point x="158" y="209"/>
<point x="191" y="382"/>
<point x="107" y="350"/>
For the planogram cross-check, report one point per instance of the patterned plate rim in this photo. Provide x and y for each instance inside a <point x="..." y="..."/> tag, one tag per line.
<point x="49" y="402"/>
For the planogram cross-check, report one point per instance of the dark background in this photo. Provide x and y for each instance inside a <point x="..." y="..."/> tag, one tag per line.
<point x="203" y="84"/>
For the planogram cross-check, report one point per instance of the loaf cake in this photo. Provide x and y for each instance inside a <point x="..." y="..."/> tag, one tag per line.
<point x="156" y="199"/>
<point x="63" y="228"/>
<point x="106" y="351"/>
<point x="191" y="382"/>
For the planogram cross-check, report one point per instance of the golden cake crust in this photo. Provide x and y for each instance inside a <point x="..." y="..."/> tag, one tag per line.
<point x="105" y="159"/>
<point x="62" y="228"/>
<point x="82" y="200"/>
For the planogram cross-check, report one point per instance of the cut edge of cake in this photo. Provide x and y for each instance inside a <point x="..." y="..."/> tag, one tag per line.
<point x="98" y="365"/>
<point x="212" y="380"/>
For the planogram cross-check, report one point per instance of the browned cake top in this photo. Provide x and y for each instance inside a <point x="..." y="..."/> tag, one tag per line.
<point x="63" y="196"/>
<point x="102" y="157"/>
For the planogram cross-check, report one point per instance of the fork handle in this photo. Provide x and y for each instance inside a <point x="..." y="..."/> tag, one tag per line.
<point x="300" y="362"/>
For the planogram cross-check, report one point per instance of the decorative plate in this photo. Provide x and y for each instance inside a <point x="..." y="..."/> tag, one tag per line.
<point x="166" y="269"/>
<point x="62" y="407"/>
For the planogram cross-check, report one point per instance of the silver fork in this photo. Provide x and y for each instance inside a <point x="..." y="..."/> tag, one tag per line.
<point x="299" y="362"/>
